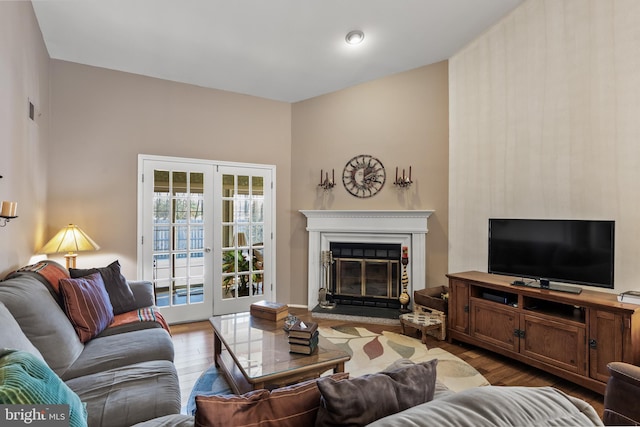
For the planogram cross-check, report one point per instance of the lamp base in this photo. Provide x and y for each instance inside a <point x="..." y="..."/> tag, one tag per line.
<point x="71" y="260"/>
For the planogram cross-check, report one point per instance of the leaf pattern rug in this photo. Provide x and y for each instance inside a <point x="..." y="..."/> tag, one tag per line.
<point x="372" y="352"/>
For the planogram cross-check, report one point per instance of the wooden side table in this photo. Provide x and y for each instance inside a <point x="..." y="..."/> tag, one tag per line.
<point x="428" y="321"/>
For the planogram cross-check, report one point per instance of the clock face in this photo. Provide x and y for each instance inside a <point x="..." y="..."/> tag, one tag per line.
<point x="363" y="176"/>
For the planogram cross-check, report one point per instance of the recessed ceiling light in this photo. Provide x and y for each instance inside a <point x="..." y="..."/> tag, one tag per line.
<point x="354" y="37"/>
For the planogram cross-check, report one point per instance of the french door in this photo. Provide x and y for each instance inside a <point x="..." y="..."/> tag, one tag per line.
<point x="246" y="238"/>
<point x="205" y="235"/>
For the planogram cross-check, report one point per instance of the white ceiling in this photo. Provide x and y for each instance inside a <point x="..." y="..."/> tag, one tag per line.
<point x="286" y="50"/>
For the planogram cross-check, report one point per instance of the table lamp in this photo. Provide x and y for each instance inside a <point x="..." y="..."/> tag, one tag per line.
<point x="70" y="239"/>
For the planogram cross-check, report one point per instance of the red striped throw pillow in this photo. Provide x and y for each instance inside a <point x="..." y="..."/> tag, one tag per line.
<point x="87" y="305"/>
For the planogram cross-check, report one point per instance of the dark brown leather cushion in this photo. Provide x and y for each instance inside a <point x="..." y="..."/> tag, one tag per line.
<point x="621" y="396"/>
<point x="362" y="400"/>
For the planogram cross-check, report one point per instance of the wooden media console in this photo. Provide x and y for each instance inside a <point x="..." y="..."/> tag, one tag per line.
<point x="573" y="336"/>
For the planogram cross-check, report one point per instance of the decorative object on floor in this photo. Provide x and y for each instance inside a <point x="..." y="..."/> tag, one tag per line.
<point x="372" y="352"/>
<point x="404" y="297"/>
<point x="269" y="310"/>
<point x="327" y="184"/>
<point x="324" y="295"/>
<point x="403" y="181"/>
<point x="436" y="297"/>
<point x="428" y="321"/>
<point x="70" y="239"/>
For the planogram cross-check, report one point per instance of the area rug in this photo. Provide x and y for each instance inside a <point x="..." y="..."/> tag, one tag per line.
<point x="370" y="352"/>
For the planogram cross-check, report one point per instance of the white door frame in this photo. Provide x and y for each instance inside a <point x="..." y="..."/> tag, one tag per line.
<point x="270" y="261"/>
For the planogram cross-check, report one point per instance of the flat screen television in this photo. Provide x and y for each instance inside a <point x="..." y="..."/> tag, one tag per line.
<point x="569" y="251"/>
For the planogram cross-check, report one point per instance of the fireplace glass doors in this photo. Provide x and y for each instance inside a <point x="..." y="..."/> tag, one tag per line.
<point x="366" y="274"/>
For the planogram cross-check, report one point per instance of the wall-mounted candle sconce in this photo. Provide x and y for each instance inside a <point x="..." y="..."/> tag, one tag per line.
<point x="326" y="183"/>
<point x="403" y="181"/>
<point x="8" y="211"/>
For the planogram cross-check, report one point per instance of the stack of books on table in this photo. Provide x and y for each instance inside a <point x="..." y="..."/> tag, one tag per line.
<point x="303" y="337"/>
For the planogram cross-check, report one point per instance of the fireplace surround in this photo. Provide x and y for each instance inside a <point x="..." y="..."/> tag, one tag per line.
<point x="396" y="227"/>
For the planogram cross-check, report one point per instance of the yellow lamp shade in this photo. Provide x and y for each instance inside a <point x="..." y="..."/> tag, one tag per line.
<point x="70" y="239"/>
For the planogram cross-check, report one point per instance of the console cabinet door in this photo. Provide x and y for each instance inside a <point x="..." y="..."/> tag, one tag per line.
<point x="605" y="342"/>
<point x="495" y="323"/>
<point x="459" y="309"/>
<point x="554" y="342"/>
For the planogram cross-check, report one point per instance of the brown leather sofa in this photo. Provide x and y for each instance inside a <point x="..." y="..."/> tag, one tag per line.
<point x="621" y="397"/>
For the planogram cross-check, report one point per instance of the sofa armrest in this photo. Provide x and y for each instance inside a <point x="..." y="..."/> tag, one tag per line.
<point x="143" y="293"/>
<point x="621" y="395"/>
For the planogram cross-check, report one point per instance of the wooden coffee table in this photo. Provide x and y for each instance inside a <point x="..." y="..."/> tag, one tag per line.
<point x="253" y="353"/>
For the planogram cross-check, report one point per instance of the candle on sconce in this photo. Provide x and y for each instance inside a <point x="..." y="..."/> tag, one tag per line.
<point x="333" y="175"/>
<point x="9" y="209"/>
<point x="409" y="173"/>
<point x="396" y="174"/>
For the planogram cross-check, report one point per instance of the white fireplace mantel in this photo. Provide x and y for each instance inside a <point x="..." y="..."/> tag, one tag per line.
<point x="403" y="227"/>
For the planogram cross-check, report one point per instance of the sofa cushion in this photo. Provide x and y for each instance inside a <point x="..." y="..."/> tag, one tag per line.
<point x="440" y="389"/>
<point x="292" y="406"/>
<point x="26" y="379"/>
<point x="504" y="406"/>
<point x="42" y="321"/>
<point x="362" y="400"/>
<point x="11" y="336"/>
<point x="115" y="351"/>
<point x="119" y="291"/>
<point x="130" y="394"/>
<point x="87" y="305"/>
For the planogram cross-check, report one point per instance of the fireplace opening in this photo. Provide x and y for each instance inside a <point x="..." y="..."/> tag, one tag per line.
<point x="366" y="274"/>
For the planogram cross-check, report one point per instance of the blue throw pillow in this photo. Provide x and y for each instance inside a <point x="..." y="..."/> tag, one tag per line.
<point x="25" y="380"/>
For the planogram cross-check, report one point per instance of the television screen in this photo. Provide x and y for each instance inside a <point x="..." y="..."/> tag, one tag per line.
<point x="569" y="251"/>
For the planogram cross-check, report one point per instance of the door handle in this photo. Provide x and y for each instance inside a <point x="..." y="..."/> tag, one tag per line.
<point x="207" y="250"/>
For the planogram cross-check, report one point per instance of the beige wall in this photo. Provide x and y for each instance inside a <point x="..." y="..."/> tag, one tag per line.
<point x="103" y="119"/>
<point x="402" y="120"/>
<point x="23" y="143"/>
<point x="544" y="113"/>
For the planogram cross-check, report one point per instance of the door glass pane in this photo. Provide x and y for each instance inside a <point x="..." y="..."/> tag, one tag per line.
<point x="178" y="237"/>
<point x="227" y="211"/>
<point x="257" y="186"/>
<point x="227" y="185"/>
<point x="243" y="185"/>
<point x="243" y="231"/>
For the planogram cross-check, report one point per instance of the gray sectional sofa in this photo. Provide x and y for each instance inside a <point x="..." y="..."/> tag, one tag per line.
<point x="124" y="376"/>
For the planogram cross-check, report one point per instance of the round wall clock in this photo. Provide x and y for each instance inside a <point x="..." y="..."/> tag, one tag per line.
<point x="363" y="176"/>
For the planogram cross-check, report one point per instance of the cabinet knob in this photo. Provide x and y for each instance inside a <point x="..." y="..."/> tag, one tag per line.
<point x="593" y="343"/>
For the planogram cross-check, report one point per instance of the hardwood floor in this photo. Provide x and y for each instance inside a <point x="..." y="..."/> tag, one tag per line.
<point x="194" y="353"/>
